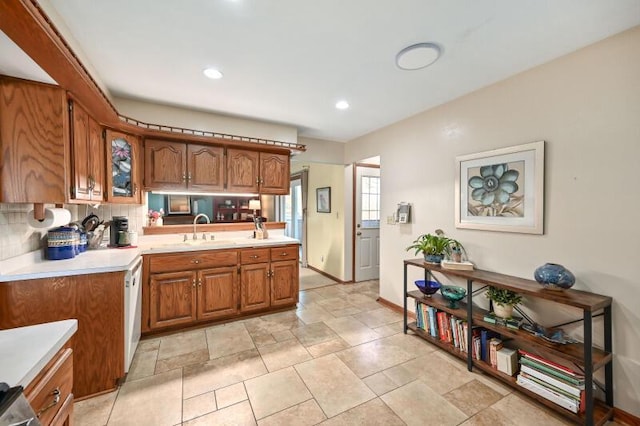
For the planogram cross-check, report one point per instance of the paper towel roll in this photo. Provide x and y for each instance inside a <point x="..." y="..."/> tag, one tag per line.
<point x="52" y="218"/>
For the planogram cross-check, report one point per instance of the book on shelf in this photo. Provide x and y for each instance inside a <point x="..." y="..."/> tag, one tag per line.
<point x="561" y="400"/>
<point x="485" y="337"/>
<point x="571" y="390"/>
<point x="460" y="266"/>
<point x="495" y="345"/>
<point x="507" y="361"/>
<point x="514" y="322"/>
<point x="548" y="362"/>
<point x="572" y="379"/>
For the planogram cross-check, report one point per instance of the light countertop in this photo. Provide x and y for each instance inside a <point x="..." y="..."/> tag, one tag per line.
<point x="33" y="265"/>
<point x="24" y="351"/>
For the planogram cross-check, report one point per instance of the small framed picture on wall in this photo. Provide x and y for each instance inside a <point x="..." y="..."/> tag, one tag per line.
<point x="323" y="200"/>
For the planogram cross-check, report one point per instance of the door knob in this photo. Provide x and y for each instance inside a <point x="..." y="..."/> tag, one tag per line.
<point x="358" y="233"/>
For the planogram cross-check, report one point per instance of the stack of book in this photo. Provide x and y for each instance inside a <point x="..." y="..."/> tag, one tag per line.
<point x="461" y="266"/>
<point x="514" y="322"/>
<point x="448" y="328"/>
<point x="552" y="381"/>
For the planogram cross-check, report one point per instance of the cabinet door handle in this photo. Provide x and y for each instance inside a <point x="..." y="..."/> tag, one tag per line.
<point x="200" y="283"/>
<point x="53" y="403"/>
<point x="257" y="181"/>
<point x="184" y="177"/>
<point x="135" y="189"/>
<point x="193" y="283"/>
<point x="189" y="176"/>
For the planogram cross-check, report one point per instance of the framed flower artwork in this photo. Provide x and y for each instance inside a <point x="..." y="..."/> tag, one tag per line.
<point x="501" y="190"/>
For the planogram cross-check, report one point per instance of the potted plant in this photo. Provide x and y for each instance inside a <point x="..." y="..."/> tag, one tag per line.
<point x="503" y="301"/>
<point x="435" y="246"/>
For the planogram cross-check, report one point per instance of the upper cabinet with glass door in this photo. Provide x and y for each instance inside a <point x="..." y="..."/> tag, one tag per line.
<point x="124" y="168"/>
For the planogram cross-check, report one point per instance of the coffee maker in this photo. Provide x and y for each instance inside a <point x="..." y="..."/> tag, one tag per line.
<point x="118" y="236"/>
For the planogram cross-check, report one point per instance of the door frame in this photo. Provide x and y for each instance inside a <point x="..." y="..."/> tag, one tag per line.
<point x="354" y="230"/>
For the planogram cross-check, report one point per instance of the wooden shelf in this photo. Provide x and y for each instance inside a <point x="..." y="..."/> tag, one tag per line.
<point x="577" y="298"/>
<point x="586" y="357"/>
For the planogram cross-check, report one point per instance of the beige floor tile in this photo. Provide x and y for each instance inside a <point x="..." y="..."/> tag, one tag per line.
<point x="473" y="397"/>
<point x="440" y="374"/>
<point x="147" y="345"/>
<point x="261" y="339"/>
<point x="307" y="297"/>
<point x="378" y="317"/>
<point x="230" y="395"/>
<point x="283" y="354"/>
<point x="313" y="313"/>
<point x="328" y="347"/>
<point x="94" y="411"/>
<point x="281" y="336"/>
<point x="519" y="411"/>
<point x="180" y="361"/>
<point x="417" y="404"/>
<point x="330" y="292"/>
<point x="335" y="303"/>
<point x="155" y="400"/>
<point x="313" y="334"/>
<point x="333" y="385"/>
<point x="142" y="365"/>
<point x="380" y="383"/>
<point x="492" y="382"/>
<point x="222" y="372"/>
<point x="372" y="413"/>
<point x="273" y="323"/>
<point x="360" y="299"/>
<point x="276" y="391"/>
<point x="352" y="331"/>
<point x="198" y="406"/>
<point x="345" y="312"/>
<point x="181" y="344"/>
<point x="372" y="357"/>
<point x="228" y="339"/>
<point x="236" y="415"/>
<point x="390" y="329"/>
<point x="488" y="417"/>
<point x="306" y="414"/>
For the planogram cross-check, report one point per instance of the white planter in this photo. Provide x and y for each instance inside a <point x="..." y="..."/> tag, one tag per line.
<point x="503" y="311"/>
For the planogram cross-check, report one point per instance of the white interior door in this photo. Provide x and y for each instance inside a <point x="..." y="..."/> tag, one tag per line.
<point x="367" y="226"/>
<point x="292" y="210"/>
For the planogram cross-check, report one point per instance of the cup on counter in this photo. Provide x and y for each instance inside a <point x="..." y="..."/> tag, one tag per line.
<point x="133" y="238"/>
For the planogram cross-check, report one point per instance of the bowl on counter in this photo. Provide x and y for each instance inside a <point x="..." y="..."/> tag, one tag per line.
<point x="427" y="287"/>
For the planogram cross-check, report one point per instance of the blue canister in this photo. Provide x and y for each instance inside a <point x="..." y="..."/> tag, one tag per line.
<point x="83" y="241"/>
<point x="60" y="243"/>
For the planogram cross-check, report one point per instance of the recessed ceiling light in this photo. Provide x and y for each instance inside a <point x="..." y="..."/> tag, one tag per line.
<point x="342" y="104"/>
<point x="212" y="73"/>
<point x="418" y="56"/>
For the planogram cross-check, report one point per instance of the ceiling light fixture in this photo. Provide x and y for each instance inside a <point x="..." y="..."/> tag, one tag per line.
<point x="342" y="104"/>
<point x="212" y="73"/>
<point x="418" y="56"/>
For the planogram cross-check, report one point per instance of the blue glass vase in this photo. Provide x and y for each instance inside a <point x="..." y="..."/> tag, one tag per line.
<point x="554" y="277"/>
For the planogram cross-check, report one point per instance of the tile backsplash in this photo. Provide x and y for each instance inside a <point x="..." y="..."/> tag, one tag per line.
<point x="17" y="237"/>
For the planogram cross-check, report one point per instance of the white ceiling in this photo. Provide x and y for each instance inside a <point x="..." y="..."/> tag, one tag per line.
<point x="289" y="61"/>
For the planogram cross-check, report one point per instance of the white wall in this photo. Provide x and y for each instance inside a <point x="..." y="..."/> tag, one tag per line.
<point x="200" y="120"/>
<point x="319" y="151"/>
<point x="586" y="105"/>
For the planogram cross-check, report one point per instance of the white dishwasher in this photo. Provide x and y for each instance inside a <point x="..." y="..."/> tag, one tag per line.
<point x="132" y="311"/>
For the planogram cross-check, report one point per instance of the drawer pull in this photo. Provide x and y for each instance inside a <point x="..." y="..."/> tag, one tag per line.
<point x="253" y="256"/>
<point x="196" y="261"/>
<point x="53" y="403"/>
<point x="284" y="253"/>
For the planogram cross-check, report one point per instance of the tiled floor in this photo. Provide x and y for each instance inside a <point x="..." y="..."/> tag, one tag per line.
<point x="339" y="359"/>
<point x="309" y="279"/>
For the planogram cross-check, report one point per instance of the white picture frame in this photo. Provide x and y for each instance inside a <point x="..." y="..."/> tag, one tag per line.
<point x="501" y="190"/>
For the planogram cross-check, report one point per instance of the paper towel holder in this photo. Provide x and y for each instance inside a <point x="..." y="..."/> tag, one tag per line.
<point x="38" y="211"/>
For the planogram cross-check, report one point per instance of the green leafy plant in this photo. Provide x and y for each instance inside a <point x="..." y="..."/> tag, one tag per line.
<point x="503" y="297"/>
<point x="438" y="244"/>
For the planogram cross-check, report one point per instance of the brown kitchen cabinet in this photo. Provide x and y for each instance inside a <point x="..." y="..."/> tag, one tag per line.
<point x="187" y="288"/>
<point x="87" y="156"/>
<point x="124" y="168"/>
<point x="50" y="392"/>
<point x="34" y="132"/>
<point x="96" y="301"/>
<point x="180" y="166"/>
<point x="253" y="172"/>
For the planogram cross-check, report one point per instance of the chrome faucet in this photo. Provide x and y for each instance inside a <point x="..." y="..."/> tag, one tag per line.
<point x="195" y="222"/>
